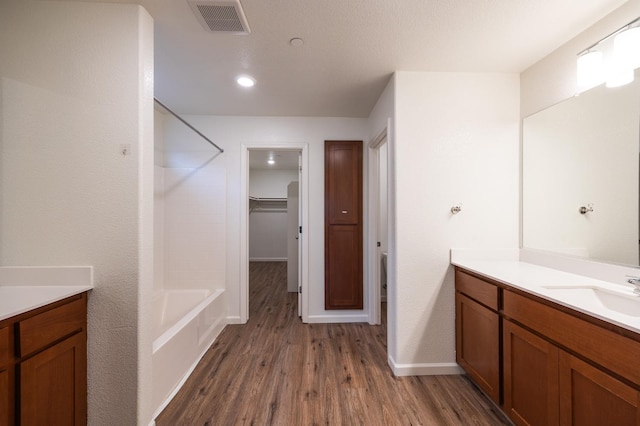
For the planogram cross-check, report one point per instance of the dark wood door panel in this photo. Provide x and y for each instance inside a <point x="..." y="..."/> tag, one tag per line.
<point x="589" y="396"/>
<point x="530" y="377"/>
<point x="345" y="269"/>
<point x="6" y="399"/>
<point x="344" y="182"/>
<point x="53" y="385"/>
<point x="343" y="225"/>
<point x="478" y="344"/>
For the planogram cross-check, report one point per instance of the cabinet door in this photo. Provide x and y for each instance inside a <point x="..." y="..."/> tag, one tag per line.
<point x="530" y="377"/>
<point x="589" y="396"/>
<point x="53" y="385"/>
<point x="5" y="398"/>
<point x="344" y="268"/>
<point x="343" y="225"/>
<point x="343" y="182"/>
<point x="477" y="344"/>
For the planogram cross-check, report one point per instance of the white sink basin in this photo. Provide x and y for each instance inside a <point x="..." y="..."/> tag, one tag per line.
<point x="621" y="301"/>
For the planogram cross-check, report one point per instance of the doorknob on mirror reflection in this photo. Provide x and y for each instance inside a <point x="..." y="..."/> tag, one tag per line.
<point x="588" y="209"/>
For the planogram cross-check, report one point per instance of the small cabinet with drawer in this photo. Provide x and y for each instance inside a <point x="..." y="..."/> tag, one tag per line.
<point x="43" y="365"/>
<point x="478" y="332"/>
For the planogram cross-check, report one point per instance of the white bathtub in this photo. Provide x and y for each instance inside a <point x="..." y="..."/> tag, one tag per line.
<point x="187" y="323"/>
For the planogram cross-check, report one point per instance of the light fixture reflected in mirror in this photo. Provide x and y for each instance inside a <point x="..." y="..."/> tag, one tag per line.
<point x="611" y="59"/>
<point x="590" y="69"/>
<point x="626" y="46"/>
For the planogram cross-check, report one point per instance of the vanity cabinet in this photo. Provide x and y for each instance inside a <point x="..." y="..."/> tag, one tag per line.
<point x="478" y="332"/>
<point x="43" y="378"/>
<point x="557" y="366"/>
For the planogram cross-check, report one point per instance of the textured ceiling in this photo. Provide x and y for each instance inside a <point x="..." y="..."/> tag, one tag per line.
<point x="351" y="49"/>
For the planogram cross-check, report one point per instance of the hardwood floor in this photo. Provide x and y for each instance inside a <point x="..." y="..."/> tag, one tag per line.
<point x="274" y="370"/>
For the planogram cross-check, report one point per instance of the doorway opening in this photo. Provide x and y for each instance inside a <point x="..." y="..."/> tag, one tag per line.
<point x="274" y="203"/>
<point x="378" y="227"/>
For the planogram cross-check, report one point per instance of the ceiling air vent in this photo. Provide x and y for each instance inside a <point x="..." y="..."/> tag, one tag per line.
<point x="221" y="16"/>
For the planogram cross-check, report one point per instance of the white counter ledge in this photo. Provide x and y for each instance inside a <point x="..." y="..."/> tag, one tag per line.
<point x="550" y="284"/>
<point x="26" y="288"/>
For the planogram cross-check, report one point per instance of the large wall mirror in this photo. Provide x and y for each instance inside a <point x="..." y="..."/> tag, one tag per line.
<point x="580" y="176"/>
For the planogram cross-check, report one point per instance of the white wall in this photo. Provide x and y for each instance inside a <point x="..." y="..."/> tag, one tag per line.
<point x="268" y="236"/>
<point x="456" y="140"/>
<point x="268" y="229"/>
<point x="77" y="83"/>
<point x="231" y="133"/>
<point x="265" y="183"/>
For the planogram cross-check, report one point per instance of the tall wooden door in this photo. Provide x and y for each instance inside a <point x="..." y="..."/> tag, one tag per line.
<point x="343" y="225"/>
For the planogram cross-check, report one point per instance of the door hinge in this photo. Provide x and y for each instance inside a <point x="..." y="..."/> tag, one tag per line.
<point x="300" y="289"/>
<point x="300" y="230"/>
<point x="378" y="244"/>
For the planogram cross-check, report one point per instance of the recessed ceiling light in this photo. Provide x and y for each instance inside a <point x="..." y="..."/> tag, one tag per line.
<point x="296" y="42"/>
<point x="246" y="81"/>
<point x="271" y="161"/>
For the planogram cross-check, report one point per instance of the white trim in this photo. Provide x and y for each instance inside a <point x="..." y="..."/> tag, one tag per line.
<point x="244" y="223"/>
<point x="244" y="235"/>
<point x="374" y="293"/>
<point x="319" y="319"/>
<point x="234" y="320"/>
<point x="268" y="259"/>
<point x="425" y="369"/>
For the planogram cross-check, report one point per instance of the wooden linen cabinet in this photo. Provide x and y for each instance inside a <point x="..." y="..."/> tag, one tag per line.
<point x="343" y="225"/>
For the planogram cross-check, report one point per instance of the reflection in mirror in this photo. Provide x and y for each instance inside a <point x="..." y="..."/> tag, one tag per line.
<point x="580" y="176"/>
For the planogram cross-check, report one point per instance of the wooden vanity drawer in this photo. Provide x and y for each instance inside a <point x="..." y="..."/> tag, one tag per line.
<point x="5" y="347"/>
<point x="617" y="353"/>
<point x="43" y="329"/>
<point x="477" y="289"/>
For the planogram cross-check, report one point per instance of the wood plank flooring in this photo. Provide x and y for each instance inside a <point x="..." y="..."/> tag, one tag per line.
<point x="274" y="370"/>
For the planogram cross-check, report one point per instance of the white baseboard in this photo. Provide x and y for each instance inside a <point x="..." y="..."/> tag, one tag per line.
<point x="425" y="369"/>
<point x="267" y="259"/>
<point x="338" y="318"/>
<point x="234" y="320"/>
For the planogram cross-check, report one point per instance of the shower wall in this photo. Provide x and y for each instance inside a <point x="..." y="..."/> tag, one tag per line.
<point x="190" y="238"/>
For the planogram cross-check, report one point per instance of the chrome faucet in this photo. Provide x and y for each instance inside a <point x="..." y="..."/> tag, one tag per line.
<point x="635" y="281"/>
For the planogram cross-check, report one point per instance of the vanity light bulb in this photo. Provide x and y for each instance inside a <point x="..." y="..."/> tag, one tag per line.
<point x="626" y="47"/>
<point x="590" y="69"/>
<point x="271" y="161"/>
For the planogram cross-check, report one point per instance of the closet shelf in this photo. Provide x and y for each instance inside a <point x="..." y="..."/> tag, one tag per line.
<point x="261" y="204"/>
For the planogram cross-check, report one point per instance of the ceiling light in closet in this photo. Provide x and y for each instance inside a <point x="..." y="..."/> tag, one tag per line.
<point x="246" y="81"/>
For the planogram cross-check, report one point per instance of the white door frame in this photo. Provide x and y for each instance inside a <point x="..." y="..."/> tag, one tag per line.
<point x="372" y="252"/>
<point x="244" y="223"/>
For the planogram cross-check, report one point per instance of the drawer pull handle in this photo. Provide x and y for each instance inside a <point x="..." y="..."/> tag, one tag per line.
<point x="344" y="212"/>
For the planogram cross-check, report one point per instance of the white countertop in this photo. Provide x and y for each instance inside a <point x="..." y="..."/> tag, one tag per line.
<point x="19" y="299"/>
<point x="551" y="284"/>
<point x="26" y="288"/>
